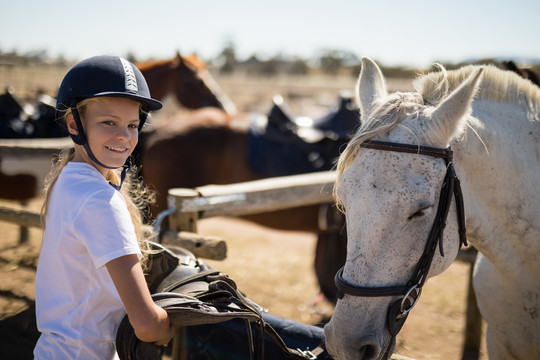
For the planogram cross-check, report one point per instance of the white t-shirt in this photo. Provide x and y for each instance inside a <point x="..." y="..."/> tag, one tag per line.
<point x="78" y="309"/>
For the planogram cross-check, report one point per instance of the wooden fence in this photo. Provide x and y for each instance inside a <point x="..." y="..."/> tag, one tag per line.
<point x="259" y="196"/>
<point x="209" y="247"/>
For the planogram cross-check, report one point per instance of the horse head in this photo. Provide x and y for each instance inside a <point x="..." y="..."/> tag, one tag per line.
<point x="188" y="79"/>
<point x="393" y="185"/>
<point x="195" y="88"/>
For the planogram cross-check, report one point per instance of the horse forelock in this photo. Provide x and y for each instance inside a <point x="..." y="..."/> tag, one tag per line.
<point x="388" y="113"/>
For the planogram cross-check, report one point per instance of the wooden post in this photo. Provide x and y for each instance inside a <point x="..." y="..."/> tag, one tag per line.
<point x="179" y="220"/>
<point x="19" y="215"/>
<point x="209" y="247"/>
<point x="182" y="221"/>
<point x="24" y="232"/>
<point x="473" y="323"/>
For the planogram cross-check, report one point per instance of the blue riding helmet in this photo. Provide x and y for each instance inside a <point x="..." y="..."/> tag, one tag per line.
<point x="105" y="76"/>
<point x="101" y="76"/>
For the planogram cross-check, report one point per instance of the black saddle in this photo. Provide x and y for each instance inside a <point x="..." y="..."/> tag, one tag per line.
<point x="13" y="124"/>
<point x="214" y="315"/>
<point x="29" y="121"/>
<point x="44" y="119"/>
<point x="287" y="145"/>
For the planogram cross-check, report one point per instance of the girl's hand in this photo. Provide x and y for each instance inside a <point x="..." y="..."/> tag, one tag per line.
<point x="167" y="332"/>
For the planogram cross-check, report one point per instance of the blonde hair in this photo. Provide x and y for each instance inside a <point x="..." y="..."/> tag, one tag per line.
<point x="137" y="195"/>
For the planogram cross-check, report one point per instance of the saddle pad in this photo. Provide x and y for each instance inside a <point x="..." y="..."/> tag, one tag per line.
<point x="273" y="157"/>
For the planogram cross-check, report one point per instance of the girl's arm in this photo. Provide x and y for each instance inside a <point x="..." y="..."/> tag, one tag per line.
<point x="150" y="322"/>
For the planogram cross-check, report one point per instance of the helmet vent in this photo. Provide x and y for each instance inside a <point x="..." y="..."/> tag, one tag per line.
<point x="131" y="81"/>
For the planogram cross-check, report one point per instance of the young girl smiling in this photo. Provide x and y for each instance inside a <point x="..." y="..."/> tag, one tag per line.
<point x="89" y="272"/>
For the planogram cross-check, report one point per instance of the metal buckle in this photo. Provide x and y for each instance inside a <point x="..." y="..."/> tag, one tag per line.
<point x="403" y="312"/>
<point x="308" y="354"/>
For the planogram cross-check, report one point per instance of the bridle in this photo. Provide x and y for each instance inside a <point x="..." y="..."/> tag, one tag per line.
<point x="399" y="310"/>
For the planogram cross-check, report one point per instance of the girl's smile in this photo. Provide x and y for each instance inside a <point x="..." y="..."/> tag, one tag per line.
<point x="111" y="128"/>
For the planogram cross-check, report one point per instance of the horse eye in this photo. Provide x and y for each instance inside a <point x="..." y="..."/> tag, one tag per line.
<point x="417" y="214"/>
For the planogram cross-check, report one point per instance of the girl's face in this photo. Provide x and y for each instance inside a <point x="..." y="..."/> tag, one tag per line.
<point x="111" y="128"/>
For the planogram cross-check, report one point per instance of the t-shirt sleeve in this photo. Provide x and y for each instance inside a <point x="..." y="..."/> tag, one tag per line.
<point x="106" y="227"/>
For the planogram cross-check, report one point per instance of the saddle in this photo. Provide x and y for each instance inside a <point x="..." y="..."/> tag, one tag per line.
<point x="29" y="121"/>
<point x="281" y="144"/>
<point x="198" y="299"/>
<point x="12" y="117"/>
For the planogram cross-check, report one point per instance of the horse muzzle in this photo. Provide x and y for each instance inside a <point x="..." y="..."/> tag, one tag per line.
<point x="348" y="339"/>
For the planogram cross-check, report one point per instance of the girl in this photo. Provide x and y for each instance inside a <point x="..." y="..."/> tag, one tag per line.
<point x="89" y="272"/>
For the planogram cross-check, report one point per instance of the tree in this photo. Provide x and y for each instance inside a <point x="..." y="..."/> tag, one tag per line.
<point x="130" y="56"/>
<point x="331" y="61"/>
<point x="299" y="67"/>
<point x="228" y="58"/>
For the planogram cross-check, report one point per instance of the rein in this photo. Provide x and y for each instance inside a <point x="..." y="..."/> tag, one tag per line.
<point x="399" y="310"/>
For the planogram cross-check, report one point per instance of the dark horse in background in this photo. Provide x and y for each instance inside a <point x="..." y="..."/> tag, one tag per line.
<point x="29" y="121"/>
<point x="18" y="121"/>
<point x="523" y="72"/>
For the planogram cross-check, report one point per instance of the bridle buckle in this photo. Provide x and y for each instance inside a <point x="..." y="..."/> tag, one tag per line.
<point x="402" y="311"/>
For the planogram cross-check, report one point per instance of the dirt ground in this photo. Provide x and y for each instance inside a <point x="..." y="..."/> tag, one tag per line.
<point x="274" y="268"/>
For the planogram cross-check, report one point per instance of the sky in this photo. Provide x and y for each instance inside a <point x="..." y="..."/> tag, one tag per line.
<point x="412" y="33"/>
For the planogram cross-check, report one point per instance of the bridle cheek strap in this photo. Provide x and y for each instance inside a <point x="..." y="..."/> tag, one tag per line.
<point x="399" y="310"/>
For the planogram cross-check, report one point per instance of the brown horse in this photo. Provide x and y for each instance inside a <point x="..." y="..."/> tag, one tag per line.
<point x="210" y="146"/>
<point x="206" y="147"/>
<point x="188" y="79"/>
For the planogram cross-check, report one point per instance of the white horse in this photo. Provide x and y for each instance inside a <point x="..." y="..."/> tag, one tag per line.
<point x="391" y="197"/>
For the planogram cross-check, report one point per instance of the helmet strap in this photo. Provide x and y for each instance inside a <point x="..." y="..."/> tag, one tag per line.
<point x="142" y="119"/>
<point x="80" y="139"/>
<point x="125" y="168"/>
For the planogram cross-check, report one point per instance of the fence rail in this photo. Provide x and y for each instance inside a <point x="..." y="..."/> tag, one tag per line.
<point x="209" y="247"/>
<point x="251" y="197"/>
<point x="33" y="147"/>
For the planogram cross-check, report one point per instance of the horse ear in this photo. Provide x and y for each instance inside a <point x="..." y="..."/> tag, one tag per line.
<point x="177" y="60"/>
<point x="370" y="87"/>
<point x="450" y="115"/>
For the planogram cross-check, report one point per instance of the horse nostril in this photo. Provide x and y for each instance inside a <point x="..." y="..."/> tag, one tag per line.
<point x="369" y="352"/>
